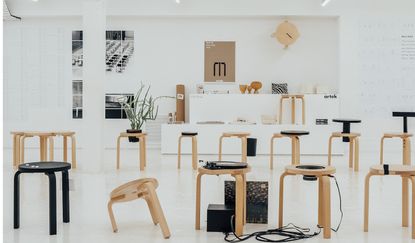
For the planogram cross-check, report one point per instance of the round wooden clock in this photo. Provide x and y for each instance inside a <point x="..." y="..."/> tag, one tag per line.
<point x="286" y="33"/>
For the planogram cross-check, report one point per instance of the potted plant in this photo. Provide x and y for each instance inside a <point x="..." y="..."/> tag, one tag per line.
<point x="139" y="109"/>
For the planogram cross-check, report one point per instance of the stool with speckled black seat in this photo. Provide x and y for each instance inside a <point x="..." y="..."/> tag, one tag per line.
<point x="192" y="135"/>
<point x="295" y="144"/>
<point x="49" y="168"/>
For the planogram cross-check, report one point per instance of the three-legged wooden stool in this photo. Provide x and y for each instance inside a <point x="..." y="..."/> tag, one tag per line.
<point x="240" y="194"/>
<point x="293" y="98"/>
<point x="353" y="149"/>
<point x="65" y="135"/>
<point x="141" y="188"/>
<point x="295" y="145"/>
<point x="192" y="135"/>
<point x="324" y="201"/>
<point x="406" y="146"/>
<point x="407" y="172"/>
<point x="242" y="135"/>
<point x="44" y="137"/>
<point x="142" y="138"/>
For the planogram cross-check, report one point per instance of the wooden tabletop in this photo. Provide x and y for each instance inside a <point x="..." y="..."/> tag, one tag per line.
<point x="223" y="172"/>
<point x="328" y="170"/>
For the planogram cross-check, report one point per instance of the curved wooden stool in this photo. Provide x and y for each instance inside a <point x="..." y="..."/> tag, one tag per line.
<point x="16" y="147"/>
<point x="141" y="188"/>
<point x="353" y="139"/>
<point x="271" y="159"/>
<point x="65" y="135"/>
<point x="142" y="138"/>
<point x="242" y="135"/>
<point x="192" y="135"/>
<point x="324" y="201"/>
<point x="293" y="98"/>
<point x="43" y="146"/>
<point x="240" y="194"/>
<point x="406" y="172"/>
<point x="294" y="135"/>
<point x="406" y="146"/>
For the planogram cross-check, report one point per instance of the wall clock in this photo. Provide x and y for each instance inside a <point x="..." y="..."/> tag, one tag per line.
<point x="286" y="33"/>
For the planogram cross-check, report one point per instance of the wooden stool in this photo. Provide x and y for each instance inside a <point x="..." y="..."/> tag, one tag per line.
<point x="192" y="135"/>
<point x="141" y="188"/>
<point x="354" y="148"/>
<point x="324" y="201"/>
<point x="65" y="135"/>
<point x="271" y="160"/>
<point x="407" y="172"/>
<point x="240" y="197"/>
<point x="142" y="138"/>
<point x="406" y="146"/>
<point x="293" y="98"/>
<point x="242" y="135"/>
<point x="16" y="147"/>
<point x="43" y="139"/>
<point x="295" y="144"/>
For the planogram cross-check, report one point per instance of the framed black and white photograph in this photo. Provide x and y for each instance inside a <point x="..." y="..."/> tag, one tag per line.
<point x="77" y="87"/>
<point x="119" y="50"/>
<point x="77" y="53"/>
<point x="113" y="107"/>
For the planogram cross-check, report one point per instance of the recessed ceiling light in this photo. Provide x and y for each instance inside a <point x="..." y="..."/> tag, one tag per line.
<point x="325" y="2"/>
<point x="177" y="1"/>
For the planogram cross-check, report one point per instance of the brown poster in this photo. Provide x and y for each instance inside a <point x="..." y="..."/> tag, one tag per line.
<point x="219" y="61"/>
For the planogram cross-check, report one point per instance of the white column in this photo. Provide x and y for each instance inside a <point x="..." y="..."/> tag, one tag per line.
<point x="94" y="24"/>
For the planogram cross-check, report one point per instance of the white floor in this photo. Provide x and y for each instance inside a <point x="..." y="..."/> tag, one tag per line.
<point x="90" y="192"/>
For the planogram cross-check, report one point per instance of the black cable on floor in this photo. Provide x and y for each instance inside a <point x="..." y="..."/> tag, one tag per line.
<point x="286" y="233"/>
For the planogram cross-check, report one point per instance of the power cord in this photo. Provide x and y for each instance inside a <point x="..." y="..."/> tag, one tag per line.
<point x="289" y="232"/>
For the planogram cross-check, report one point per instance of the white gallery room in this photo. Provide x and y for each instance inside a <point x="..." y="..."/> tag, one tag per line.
<point x="208" y="121"/>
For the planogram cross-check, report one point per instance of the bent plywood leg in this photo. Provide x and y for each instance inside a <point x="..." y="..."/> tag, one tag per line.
<point x="42" y="149"/>
<point x="194" y="152"/>
<point x="297" y="150"/>
<point x="220" y="148"/>
<point x="271" y="155"/>
<point x="158" y="210"/>
<point x="51" y="148"/>
<point x="244" y="149"/>
<point x="65" y="148"/>
<point x="118" y="152"/>
<point x="351" y="150"/>
<point x="356" y="154"/>
<point x="293" y="151"/>
<point x="142" y="154"/>
<point x="145" y="150"/>
<point x="412" y="178"/>
<point x="382" y="141"/>
<point x="22" y="138"/>
<point x="303" y="109"/>
<point x="405" y="201"/>
<point x="112" y="218"/>
<point x="239" y="203"/>
<point x="327" y="207"/>
<point x="73" y="150"/>
<point x="407" y="151"/>
<point x="198" y="187"/>
<point x="14" y="150"/>
<point x="366" y="206"/>
<point x="151" y="209"/>
<point x="281" y="200"/>
<point x="329" y="152"/>
<point x="320" y="203"/>
<point x="179" y="151"/>
<point x="244" y="197"/>
<point x="281" y="100"/>
<point x="293" y="110"/>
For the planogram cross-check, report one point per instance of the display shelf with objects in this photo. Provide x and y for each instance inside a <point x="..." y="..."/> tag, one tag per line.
<point x="213" y="114"/>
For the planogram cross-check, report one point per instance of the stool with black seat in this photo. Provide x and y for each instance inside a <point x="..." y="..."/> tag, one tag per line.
<point x="193" y="136"/>
<point x="407" y="172"/>
<point x="295" y="145"/>
<point x="241" y="135"/>
<point x="347" y="137"/>
<point x="312" y="172"/>
<point x="49" y="169"/>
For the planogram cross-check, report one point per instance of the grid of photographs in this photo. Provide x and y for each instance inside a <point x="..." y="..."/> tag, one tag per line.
<point x="77" y="67"/>
<point x="119" y="50"/>
<point x="113" y="108"/>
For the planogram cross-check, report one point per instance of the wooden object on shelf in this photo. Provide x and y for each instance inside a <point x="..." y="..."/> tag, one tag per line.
<point x="407" y="172"/>
<point x="324" y="200"/>
<point x="180" y="103"/>
<point x="256" y="86"/>
<point x="249" y="88"/>
<point x="240" y="197"/>
<point x="241" y="135"/>
<point x="293" y="98"/>
<point x="193" y="136"/>
<point x="242" y="88"/>
<point x="353" y="148"/>
<point x="142" y="137"/>
<point x="141" y="188"/>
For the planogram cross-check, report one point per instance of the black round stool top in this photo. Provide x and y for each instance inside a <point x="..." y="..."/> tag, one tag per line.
<point x="41" y="167"/>
<point x="189" y="133"/>
<point x="294" y="132"/>
<point x="347" y="120"/>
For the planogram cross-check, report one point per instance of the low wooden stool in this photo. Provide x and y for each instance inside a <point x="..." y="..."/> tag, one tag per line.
<point x="242" y="135"/>
<point x="142" y="138"/>
<point x="271" y="160"/>
<point x="295" y="143"/>
<point x="240" y="194"/>
<point x="293" y="98"/>
<point x="353" y="149"/>
<point x="324" y="201"/>
<point x="65" y="135"/>
<point x="141" y="188"/>
<point x="16" y="147"/>
<point x="192" y="135"/>
<point x="43" y="146"/>
<point x="407" y="172"/>
<point x="406" y="146"/>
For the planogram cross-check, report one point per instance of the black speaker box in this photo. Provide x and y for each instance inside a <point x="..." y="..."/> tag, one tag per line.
<point x="219" y="218"/>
